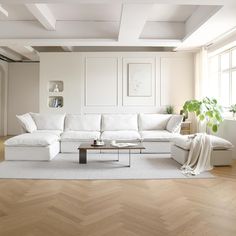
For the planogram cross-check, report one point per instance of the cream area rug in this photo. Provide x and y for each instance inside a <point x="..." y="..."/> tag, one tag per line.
<point x="104" y="166"/>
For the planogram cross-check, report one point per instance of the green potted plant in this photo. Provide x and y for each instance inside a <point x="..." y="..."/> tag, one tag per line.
<point x="233" y="109"/>
<point x="207" y="110"/>
<point x="169" y="109"/>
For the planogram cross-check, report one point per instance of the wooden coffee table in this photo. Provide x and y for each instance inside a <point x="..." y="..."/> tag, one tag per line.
<point x="84" y="147"/>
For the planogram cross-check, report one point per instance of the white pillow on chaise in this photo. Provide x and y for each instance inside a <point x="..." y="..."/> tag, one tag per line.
<point x="49" y="121"/>
<point x="27" y="123"/>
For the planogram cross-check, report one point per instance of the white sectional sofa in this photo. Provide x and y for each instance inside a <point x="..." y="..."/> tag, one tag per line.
<point x="48" y="134"/>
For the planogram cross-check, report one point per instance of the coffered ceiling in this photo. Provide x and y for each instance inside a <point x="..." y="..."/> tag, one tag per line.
<point x="38" y="25"/>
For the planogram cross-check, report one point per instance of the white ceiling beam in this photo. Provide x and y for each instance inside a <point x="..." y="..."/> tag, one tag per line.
<point x="201" y="15"/>
<point x="3" y="11"/>
<point x="133" y="19"/>
<point x="26" y="51"/>
<point x="10" y="54"/>
<point x="65" y="29"/>
<point x="223" y="21"/>
<point x="87" y="30"/>
<point x="67" y="48"/>
<point x="173" y="2"/>
<point x="43" y="14"/>
<point x="91" y="42"/>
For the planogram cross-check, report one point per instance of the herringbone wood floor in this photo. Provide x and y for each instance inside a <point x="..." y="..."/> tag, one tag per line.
<point x="127" y="207"/>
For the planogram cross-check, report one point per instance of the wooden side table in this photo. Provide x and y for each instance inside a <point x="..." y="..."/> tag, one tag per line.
<point x="186" y="127"/>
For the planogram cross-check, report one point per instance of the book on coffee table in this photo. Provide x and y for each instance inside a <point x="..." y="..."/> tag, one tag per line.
<point x="122" y="145"/>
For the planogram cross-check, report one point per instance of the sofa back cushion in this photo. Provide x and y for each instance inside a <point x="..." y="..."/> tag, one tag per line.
<point x="114" y="122"/>
<point x="174" y="123"/>
<point x="83" y="123"/>
<point x="153" y="121"/>
<point x="27" y="123"/>
<point x="49" y="121"/>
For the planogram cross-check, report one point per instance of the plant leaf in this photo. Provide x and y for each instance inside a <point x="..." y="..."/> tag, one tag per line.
<point x="214" y="128"/>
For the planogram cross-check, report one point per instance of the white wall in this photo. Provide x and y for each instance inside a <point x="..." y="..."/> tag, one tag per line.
<point x="96" y="82"/>
<point x="64" y="67"/>
<point x="227" y="131"/>
<point x="3" y="97"/>
<point x="23" y="92"/>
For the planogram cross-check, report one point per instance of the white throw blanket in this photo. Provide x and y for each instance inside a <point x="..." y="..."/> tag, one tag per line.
<point x="199" y="158"/>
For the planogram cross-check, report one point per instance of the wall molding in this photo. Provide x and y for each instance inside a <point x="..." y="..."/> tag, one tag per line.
<point x="86" y="82"/>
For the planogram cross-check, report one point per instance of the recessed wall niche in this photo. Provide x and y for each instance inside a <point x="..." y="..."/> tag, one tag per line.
<point x="55" y="101"/>
<point x="55" y="86"/>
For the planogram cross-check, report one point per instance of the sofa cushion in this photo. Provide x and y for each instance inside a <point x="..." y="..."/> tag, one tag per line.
<point x="157" y="135"/>
<point x="75" y="136"/>
<point x="49" y="121"/>
<point x="220" y="143"/>
<point x="32" y="140"/>
<point x="83" y="122"/>
<point x="27" y="123"/>
<point x="153" y="121"/>
<point x="174" y="123"/>
<point x="120" y="135"/>
<point x="115" y="122"/>
<point x="184" y="142"/>
<point x="55" y="132"/>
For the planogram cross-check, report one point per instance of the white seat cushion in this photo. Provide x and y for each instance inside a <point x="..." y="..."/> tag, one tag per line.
<point x="27" y="123"/>
<point x="75" y="136"/>
<point x="32" y="140"/>
<point x="83" y="123"/>
<point x="49" y="121"/>
<point x="56" y="132"/>
<point x="158" y="135"/>
<point x="115" y="122"/>
<point x="120" y="135"/>
<point x="184" y="142"/>
<point x="153" y="121"/>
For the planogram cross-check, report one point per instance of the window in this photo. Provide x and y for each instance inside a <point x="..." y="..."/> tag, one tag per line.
<point x="222" y="77"/>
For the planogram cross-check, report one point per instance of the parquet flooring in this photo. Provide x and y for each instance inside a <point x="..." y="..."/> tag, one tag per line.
<point x="202" y="207"/>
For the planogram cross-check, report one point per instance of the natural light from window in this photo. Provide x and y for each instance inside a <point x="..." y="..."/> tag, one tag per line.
<point x="222" y="77"/>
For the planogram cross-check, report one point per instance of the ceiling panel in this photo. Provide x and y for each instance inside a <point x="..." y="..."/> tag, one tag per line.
<point x="17" y="12"/>
<point x="171" y="13"/>
<point x="86" y="12"/>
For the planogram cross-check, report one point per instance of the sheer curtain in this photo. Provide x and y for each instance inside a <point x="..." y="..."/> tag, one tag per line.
<point x="201" y="83"/>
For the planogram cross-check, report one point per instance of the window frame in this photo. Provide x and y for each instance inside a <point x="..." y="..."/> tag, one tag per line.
<point x="229" y="70"/>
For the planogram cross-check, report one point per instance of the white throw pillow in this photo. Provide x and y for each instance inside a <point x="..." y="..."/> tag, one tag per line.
<point x="27" y="123"/>
<point x="49" y="121"/>
<point x="83" y="123"/>
<point x="113" y="122"/>
<point x="174" y="123"/>
<point x="220" y="143"/>
<point x="153" y="121"/>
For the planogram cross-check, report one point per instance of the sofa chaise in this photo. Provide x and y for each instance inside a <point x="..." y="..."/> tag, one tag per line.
<point x="45" y="135"/>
